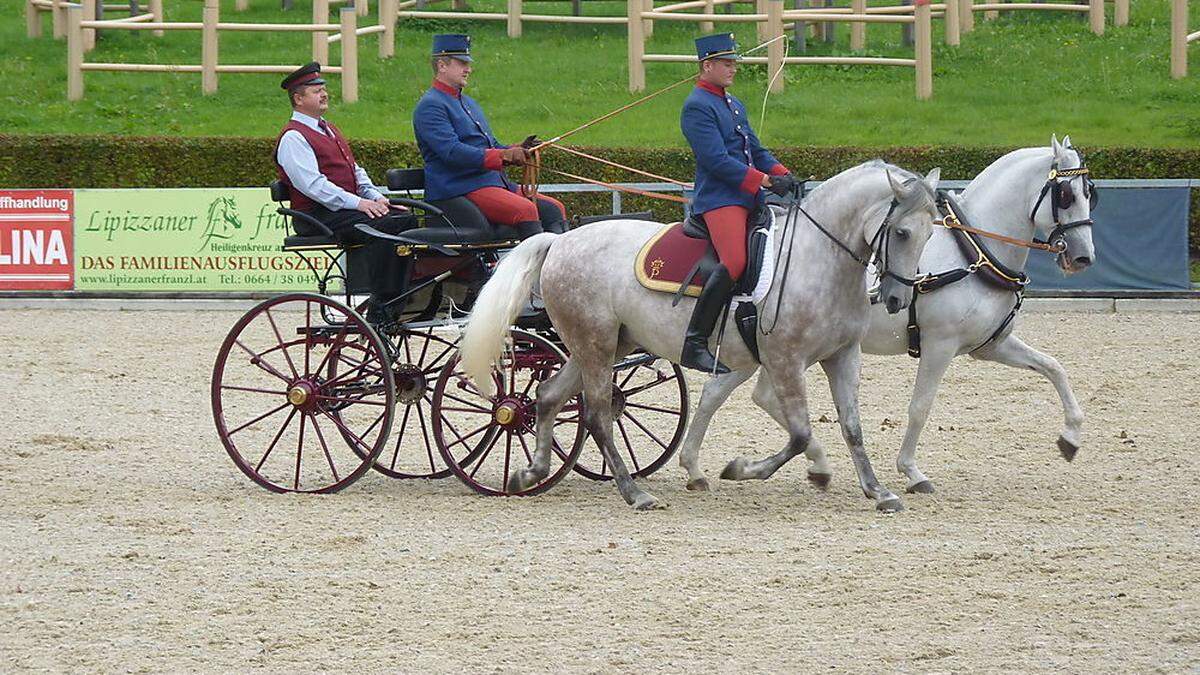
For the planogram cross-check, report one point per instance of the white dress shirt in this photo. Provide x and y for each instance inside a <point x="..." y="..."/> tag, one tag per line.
<point x="299" y="162"/>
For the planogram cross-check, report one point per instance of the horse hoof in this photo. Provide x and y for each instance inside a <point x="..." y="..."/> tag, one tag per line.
<point x="518" y="483"/>
<point x="698" y="485"/>
<point x="820" y="480"/>
<point x="647" y="502"/>
<point x="924" y="487"/>
<point x="1067" y="448"/>
<point x="735" y="470"/>
<point x="893" y="505"/>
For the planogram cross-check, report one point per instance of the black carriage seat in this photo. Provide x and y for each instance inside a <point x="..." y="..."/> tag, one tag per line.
<point x="461" y="222"/>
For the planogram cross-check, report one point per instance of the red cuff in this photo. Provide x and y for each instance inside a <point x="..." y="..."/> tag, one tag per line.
<point x="753" y="181"/>
<point x="492" y="159"/>
<point x="779" y="170"/>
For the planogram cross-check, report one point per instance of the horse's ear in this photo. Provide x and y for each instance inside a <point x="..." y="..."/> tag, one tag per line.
<point x="898" y="190"/>
<point x="1067" y="141"/>
<point x="932" y="178"/>
<point x="1056" y="147"/>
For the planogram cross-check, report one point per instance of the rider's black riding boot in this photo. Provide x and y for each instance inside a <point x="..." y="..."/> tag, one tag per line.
<point x="389" y="278"/>
<point x="712" y="301"/>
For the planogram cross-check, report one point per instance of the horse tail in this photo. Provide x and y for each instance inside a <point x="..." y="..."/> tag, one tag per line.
<point x="498" y="304"/>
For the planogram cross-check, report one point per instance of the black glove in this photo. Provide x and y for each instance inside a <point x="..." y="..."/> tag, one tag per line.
<point x="783" y="185"/>
<point x="530" y="141"/>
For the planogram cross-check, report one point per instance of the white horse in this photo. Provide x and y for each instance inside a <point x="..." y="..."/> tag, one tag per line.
<point x="1012" y="197"/>
<point x="601" y="312"/>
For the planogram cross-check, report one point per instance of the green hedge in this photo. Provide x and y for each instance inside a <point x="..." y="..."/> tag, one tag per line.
<point x="34" y="161"/>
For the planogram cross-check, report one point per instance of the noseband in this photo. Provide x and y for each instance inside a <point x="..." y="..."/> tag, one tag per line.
<point x="1062" y="196"/>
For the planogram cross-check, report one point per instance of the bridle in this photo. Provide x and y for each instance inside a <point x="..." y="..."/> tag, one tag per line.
<point x="1062" y="196"/>
<point x="880" y="244"/>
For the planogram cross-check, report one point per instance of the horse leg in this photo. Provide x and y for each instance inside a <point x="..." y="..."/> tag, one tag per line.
<point x="716" y="392"/>
<point x="598" y="419"/>
<point x="819" y="473"/>
<point x="843" y="369"/>
<point x="1011" y="351"/>
<point x="790" y="409"/>
<point x="552" y="394"/>
<point x="935" y="358"/>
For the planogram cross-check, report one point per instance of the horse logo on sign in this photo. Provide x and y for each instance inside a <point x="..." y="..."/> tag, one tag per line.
<point x="222" y="219"/>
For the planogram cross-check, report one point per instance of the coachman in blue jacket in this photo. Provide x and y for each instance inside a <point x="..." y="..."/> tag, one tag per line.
<point x="462" y="157"/>
<point x="732" y="168"/>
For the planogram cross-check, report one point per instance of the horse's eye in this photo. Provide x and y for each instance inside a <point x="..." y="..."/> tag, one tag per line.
<point x="903" y="233"/>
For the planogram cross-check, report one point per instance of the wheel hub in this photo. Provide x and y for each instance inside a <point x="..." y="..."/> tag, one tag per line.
<point x="302" y="394"/>
<point x="411" y="383"/>
<point x="514" y="413"/>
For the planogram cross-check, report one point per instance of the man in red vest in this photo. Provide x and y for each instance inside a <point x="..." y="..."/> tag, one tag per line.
<point x="313" y="159"/>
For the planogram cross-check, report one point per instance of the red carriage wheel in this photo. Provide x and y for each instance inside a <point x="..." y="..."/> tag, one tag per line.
<point x="650" y="408"/>
<point x="302" y="395"/>
<point x="483" y="439"/>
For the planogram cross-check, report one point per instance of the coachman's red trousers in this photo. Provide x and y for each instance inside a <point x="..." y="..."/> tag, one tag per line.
<point x="503" y="207"/>
<point x="727" y="229"/>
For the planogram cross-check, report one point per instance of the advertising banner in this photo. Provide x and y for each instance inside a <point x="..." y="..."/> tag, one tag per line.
<point x="35" y="240"/>
<point x="219" y="239"/>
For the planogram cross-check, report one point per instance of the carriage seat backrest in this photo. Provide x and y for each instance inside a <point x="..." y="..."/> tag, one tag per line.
<point x="405" y="179"/>
<point x="279" y="191"/>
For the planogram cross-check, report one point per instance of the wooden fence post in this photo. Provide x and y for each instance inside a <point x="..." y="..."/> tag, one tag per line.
<point x="362" y="7"/>
<point x="775" y="49"/>
<point x="387" y="39"/>
<point x="241" y="5"/>
<point x="156" y="9"/>
<point x="966" y="13"/>
<point x="648" y="25"/>
<point x="1096" y="16"/>
<point x="349" y="55"/>
<point x="320" y="39"/>
<point x="514" y="18"/>
<point x="800" y="29"/>
<point x="88" y="7"/>
<point x="74" y="52"/>
<point x="1179" y="26"/>
<point x="991" y="14"/>
<point x="637" y="46"/>
<point x="858" y="31"/>
<point x="707" y="26"/>
<point x="33" y="20"/>
<point x="924" y="50"/>
<point x="58" y="18"/>
<point x="953" y="23"/>
<point x="1121" y="13"/>
<point x="208" y="49"/>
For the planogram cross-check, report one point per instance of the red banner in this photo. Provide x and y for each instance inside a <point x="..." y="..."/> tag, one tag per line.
<point x="36" y="240"/>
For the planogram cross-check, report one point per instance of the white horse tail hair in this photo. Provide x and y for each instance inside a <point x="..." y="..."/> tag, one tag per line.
<point x="498" y="304"/>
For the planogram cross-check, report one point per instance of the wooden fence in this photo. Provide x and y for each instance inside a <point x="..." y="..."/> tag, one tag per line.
<point x="34" y="9"/>
<point x="771" y="25"/>
<point x="347" y="32"/>
<point x="1180" y="38"/>
<point x="1094" y="9"/>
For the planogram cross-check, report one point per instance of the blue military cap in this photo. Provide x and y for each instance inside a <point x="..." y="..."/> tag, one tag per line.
<point x="309" y="73"/>
<point x="453" y="45"/>
<point x="717" y="46"/>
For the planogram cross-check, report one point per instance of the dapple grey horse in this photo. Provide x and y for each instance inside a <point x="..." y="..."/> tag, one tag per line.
<point x="601" y="312"/>
<point x="961" y="318"/>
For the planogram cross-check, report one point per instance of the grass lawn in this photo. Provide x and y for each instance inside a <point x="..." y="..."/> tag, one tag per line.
<point x="1011" y="82"/>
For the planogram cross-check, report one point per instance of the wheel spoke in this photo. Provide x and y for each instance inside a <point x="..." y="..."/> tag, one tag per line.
<point x="433" y="365"/>
<point x="278" y="435"/>
<point x="644" y="429"/>
<point x="351" y="401"/>
<point x="628" y="446"/>
<point x="676" y="413"/>
<point x="483" y="457"/>
<point x="259" y="362"/>
<point x="299" y="452"/>
<point x="333" y="348"/>
<point x="260" y="418"/>
<point x="325" y="447"/>
<point x="254" y="390"/>
<point x="465" y="402"/>
<point x="400" y="437"/>
<point x="463" y="439"/>
<point x="307" y="336"/>
<point x="282" y="346"/>
<point x="528" y="457"/>
<point x="425" y="436"/>
<point x="562" y="454"/>
<point x="632" y="372"/>
<point x="507" y="456"/>
<point x="355" y="438"/>
<point x="640" y="388"/>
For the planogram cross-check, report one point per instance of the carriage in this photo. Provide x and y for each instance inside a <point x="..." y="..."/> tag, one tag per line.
<point x="307" y="396"/>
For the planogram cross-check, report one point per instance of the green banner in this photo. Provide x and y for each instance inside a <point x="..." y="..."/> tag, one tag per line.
<point x="219" y="239"/>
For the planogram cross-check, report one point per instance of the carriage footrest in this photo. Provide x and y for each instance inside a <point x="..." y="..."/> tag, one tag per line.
<point x="298" y="242"/>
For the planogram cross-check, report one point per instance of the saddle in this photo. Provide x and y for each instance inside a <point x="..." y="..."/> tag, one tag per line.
<point x="679" y="258"/>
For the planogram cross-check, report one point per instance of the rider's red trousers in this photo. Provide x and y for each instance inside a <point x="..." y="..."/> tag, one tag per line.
<point x="727" y="229"/>
<point x="503" y="207"/>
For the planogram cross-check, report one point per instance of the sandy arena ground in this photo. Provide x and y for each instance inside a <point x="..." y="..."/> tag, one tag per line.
<point x="131" y="542"/>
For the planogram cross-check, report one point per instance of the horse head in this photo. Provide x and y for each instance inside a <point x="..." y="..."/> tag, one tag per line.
<point x="902" y="235"/>
<point x="1063" y="211"/>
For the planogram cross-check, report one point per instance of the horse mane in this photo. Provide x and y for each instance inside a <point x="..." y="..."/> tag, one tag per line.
<point x="903" y="176"/>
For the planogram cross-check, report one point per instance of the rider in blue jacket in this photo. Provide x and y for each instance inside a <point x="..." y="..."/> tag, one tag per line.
<point x="732" y="168"/>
